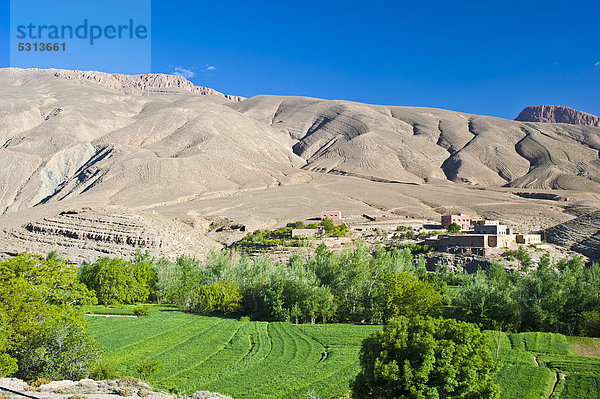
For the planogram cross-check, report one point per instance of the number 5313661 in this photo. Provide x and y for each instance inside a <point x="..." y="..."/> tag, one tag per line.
<point x="42" y="47"/>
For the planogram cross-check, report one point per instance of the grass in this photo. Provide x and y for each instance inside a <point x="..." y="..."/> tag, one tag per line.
<point x="123" y="310"/>
<point x="241" y="359"/>
<point x="579" y="386"/>
<point x="248" y="359"/>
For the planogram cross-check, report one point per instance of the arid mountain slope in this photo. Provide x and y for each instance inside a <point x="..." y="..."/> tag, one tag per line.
<point x="158" y="159"/>
<point x="557" y="114"/>
<point x="420" y="145"/>
<point x="61" y="139"/>
<point x="581" y="234"/>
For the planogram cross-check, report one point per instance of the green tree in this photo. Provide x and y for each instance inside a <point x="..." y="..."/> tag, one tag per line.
<point x="37" y="305"/>
<point x="487" y="301"/>
<point x="524" y="259"/>
<point x="328" y="225"/>
<point x="118" y="281"/>
<point x="426" y="358"/>
<point x="405" y="295"/>
<point x="453" y="228"/>
<point x="222" y="297"/>
<point x="62" y="351"/>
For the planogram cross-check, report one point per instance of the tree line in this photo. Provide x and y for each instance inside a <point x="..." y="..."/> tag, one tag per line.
<point x="360" y="286"/>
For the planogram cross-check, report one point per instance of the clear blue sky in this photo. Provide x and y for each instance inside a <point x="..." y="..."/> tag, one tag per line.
<point x="483" y="57"/>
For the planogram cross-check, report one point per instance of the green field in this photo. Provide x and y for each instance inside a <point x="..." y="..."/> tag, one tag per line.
<point x="537" y="365"/>
<point x="240" y="359"/>
<point x="283" y="360"/>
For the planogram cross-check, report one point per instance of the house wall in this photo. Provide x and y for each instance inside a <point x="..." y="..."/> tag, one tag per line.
<point x="499" y="241"/>
<point x="305" y="232"/>
<point x="464" y="221"/>
<point x="333" y="215"/>
<point x="467" y="240"/>
<point x="529" y="239"/>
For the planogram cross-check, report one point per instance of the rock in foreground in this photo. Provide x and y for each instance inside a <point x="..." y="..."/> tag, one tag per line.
<point x="90" y="389"/>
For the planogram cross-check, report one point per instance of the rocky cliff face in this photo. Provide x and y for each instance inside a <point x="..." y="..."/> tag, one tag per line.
<point x="85" y="234"/>
<point x="557" y="114"/>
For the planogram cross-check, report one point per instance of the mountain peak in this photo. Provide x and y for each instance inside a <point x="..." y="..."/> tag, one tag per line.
<point x="557" y="114"/>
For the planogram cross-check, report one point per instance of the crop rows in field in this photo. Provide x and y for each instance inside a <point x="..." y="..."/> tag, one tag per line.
<point x="536" y="365"/>
<point x="282" y="360"/>
<point x="235" y="358"/>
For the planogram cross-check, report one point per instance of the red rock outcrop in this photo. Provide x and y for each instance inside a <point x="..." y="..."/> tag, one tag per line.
<point x="557" y="114"/>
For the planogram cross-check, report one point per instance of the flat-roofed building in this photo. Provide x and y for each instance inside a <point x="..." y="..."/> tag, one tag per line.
<point x="496" y="229"/>
<point x="464" y="221"/>
<point x="529" y="239"/>
<point x="483" y="222"/>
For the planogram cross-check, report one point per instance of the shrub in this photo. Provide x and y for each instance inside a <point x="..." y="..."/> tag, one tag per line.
<point x="453" y="228"/>
<point x="426" y="358"/>
<point x="147" y="368"/>
<point x="591" y="323"/>
<point x="104" y="371"/>
<point x="62" y="351"/>
<point x="38" y="382"/>
<point x="141" y="310"/>
<point x="405" y="295"/>
<point x="125" y="391"/>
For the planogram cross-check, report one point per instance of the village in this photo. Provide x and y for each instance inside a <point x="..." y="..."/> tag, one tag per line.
<point x="455" y="238"/>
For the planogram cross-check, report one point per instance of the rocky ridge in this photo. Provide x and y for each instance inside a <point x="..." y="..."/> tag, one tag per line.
<point x="156" y="83"/>
<point x="557" y="114"/>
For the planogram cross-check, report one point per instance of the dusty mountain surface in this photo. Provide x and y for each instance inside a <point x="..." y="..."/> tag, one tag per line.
<point x="419" y="145"/>
<point x="581" y="234"/>
<point x="95" y="164"/>
<point x="557" y="114"/>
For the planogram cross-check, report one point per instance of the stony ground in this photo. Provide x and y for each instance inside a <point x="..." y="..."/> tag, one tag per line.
<point x="90" y="389"/>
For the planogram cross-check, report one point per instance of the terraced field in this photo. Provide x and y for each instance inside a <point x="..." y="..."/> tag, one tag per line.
<point x="239" y="359"/>
<point x="537" y="365"/>
<point x="283" y="360"/>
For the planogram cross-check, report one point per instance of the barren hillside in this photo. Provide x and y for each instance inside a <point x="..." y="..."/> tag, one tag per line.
<point x="424" y="144"/>
<point x="121" y="145"/>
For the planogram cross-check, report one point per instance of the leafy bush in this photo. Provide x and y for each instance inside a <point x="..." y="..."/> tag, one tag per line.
<point x="141" y="310"/>
<point x="590" y="323"/>
<point x="38" y="382"/>
<point x="147" y="368"/>
<point x="405" y="295"/>
<point x="62" y="351"/>
<point x="426" y="358"/>
<point x="104" y="371"/>
<point x="453" y="228"/>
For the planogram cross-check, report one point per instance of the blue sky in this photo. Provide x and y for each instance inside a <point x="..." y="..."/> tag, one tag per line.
<point x="483" y="57"/>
